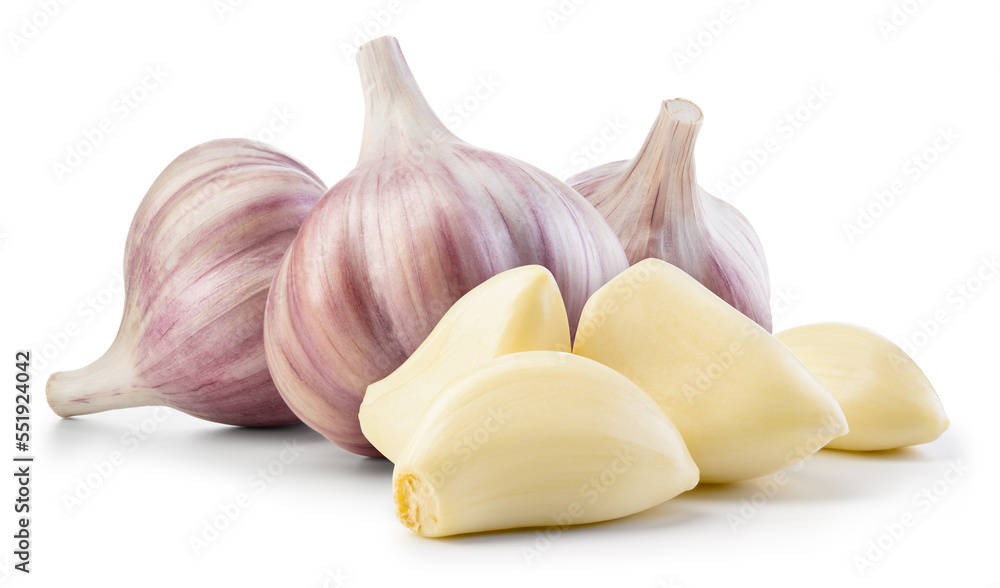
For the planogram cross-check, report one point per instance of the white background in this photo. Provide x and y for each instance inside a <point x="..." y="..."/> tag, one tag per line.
<point x="891" y="92"/>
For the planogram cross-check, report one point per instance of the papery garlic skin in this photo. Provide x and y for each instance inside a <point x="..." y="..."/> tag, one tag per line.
<point x="887" y="399"/>
<point x="200" y="255"/>
<point x="423" y="219"/>
<point x="657" y="209"/>
<point x="538" y="438"/>
<point x="745" y="405"/>
<point x="516" y="310"/>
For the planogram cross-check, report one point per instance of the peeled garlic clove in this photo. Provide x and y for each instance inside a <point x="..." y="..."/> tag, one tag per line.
<point x="887" y="400"/>
<point x="422" y="219"/>
<point x="656" y="207"/>
<point x="517" y="310"/>
<point x="200" y="255"/>
<point x="745" y="405"/>
<point x="538" y="438"/>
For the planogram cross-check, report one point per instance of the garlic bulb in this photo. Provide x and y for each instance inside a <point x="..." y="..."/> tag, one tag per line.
<point x="200" y="255"/>
<point x="422" y="219"/>
<point x="658" y="210"/>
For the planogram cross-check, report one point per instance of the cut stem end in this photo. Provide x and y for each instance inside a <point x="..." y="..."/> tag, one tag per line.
<point x="683" y="111"/>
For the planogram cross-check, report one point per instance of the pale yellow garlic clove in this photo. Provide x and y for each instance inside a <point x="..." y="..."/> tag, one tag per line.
<point x="539" y="438"/>
<point x="744" y="403"/>
<point x="887" y="399"/>
<point x="517" y="310"/>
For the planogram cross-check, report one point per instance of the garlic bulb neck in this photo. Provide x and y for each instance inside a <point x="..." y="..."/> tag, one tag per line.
<point x="660" y="180"/>
<point x="397" y="116"/>
<point x="105" y="384"/>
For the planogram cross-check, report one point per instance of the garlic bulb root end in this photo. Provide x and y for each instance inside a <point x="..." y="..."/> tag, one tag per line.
<point x="98" y="387"/>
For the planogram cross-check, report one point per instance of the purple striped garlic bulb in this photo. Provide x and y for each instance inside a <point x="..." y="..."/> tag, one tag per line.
<point x="422" y="219"/>
<point x="658" y="210"/>
<point x="199" y="259"/>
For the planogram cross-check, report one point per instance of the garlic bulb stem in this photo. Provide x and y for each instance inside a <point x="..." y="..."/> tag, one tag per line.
<point x="663" y="173"/>
<point x="674" y="134"/>
<point x="397" y="116"/>
<point x="102" y="385"/>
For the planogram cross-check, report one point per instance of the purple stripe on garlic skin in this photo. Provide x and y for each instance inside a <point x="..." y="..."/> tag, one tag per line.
<point x="200" y="256"/>
<point x="657" y="209"/>
<point x="421" y="220"/>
